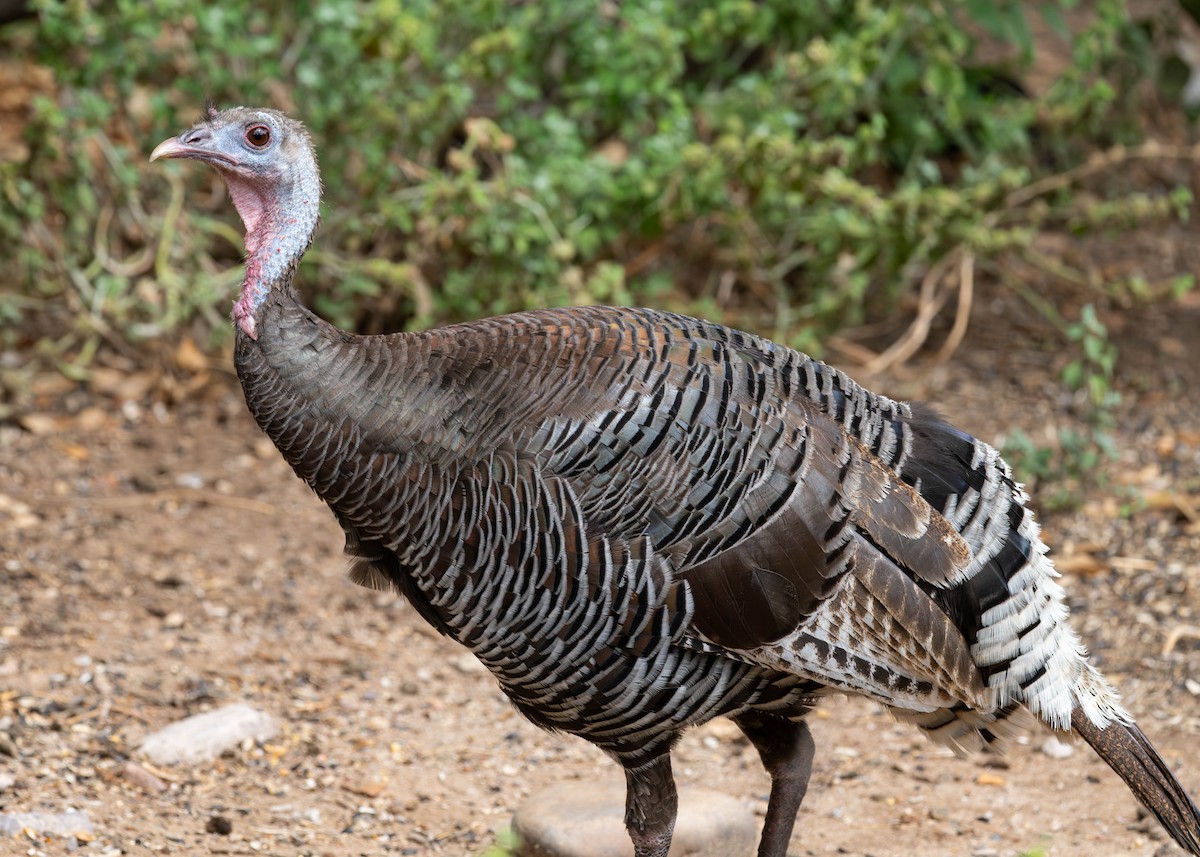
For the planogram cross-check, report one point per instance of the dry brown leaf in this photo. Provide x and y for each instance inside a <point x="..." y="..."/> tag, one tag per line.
<point x="50" y="385"/>
<point x="178" y="390"/>
<point x="75" y="451"/>
<point x="365" y="788"/>
<point x="127" y="386"/>
<point x="142" y="778"/>
<point x="1133" y="563"/>
<point x="103" y="380"/>
<point x="190" y="358"/>
<point x="136" y="386"/>
<point x="39" y="424"/>
<point x="1105" y="509"/>
<point x="91" y="419"/>
<point x="1079" y="563"/>
<point x="1142" y="476"/>
<point x="1172" y="500"/>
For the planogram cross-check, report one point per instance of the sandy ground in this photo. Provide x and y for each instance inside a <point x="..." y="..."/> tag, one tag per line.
<point x="158" y="561"/>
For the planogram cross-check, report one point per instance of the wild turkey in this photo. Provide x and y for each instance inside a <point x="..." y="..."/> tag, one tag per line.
<point x="640" y="521"/>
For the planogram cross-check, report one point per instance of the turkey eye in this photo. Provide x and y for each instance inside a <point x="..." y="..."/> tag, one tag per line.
<point x="259" y="136"/>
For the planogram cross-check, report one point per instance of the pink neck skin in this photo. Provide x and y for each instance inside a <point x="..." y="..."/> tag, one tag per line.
<point x="279" y="218"/>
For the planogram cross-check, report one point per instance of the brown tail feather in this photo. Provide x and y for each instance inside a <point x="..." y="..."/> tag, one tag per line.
<point x="1128" y="752"/>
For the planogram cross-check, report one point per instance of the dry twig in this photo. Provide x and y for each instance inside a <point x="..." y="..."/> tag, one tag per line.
<point x="930" y="303"/>
<point x="932" y="300"/>
<point x="1178" y="633"/>
<point x="962" y="313"/>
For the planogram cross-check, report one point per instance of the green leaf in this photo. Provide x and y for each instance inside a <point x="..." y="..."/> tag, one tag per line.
<point x="1053" y="16"/>
<point x="1073" y="374"/>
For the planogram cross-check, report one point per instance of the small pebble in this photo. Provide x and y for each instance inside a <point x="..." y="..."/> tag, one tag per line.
<point x="142" y="778"/>
<point x="361" y="821"/>
<point x="76" y="825"/>
<point x="206" y="736"/>
<point x="193" y="481"/>
<point x="1056" y="749"/>
<point x="219" y="825"/>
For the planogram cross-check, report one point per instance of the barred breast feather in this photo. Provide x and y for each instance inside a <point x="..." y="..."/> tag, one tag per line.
<point x="578" y="482"/>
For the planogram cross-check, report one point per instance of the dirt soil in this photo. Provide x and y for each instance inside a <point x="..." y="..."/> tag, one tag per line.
<point x="159" y="561"/>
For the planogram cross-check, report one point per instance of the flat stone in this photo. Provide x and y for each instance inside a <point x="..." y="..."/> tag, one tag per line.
<point x="75" y="825"/>
<point x="587" y="819"/>
<point x="203" y="737"/>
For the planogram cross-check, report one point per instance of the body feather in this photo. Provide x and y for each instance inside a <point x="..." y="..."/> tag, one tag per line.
<point x="639" y="521"/>
<point x="796" y="521"/>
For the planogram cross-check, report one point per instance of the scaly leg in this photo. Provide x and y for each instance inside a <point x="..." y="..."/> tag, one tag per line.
<point x="650" y="806"/>
<point x="786" y="749"/>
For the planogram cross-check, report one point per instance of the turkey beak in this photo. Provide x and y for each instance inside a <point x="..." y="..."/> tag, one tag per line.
<point x="173" y="148"/>
<point x="190" y="145"/>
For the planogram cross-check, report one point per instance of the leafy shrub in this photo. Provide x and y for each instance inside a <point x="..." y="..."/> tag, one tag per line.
<point x="785" y="165"/>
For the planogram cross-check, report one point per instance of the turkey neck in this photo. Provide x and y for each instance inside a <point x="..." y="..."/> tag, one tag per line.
<point x="297" y="379"/>
<point x="290" y="361"/>
<point x="287" y="358"/>
<point x="280" y="218"/>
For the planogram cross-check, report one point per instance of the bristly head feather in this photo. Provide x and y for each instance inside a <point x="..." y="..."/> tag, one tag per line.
<point x="210" y="110"/>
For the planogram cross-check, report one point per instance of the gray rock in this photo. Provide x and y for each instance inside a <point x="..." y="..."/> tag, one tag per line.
<point x="71" y="825"/>
<point x="587" y="819"/>
<point x="1056" y="749"/>
<point x="206" y="736"/>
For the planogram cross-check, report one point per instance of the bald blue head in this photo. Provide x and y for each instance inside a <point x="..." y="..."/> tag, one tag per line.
<point x="270" y="167"/>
